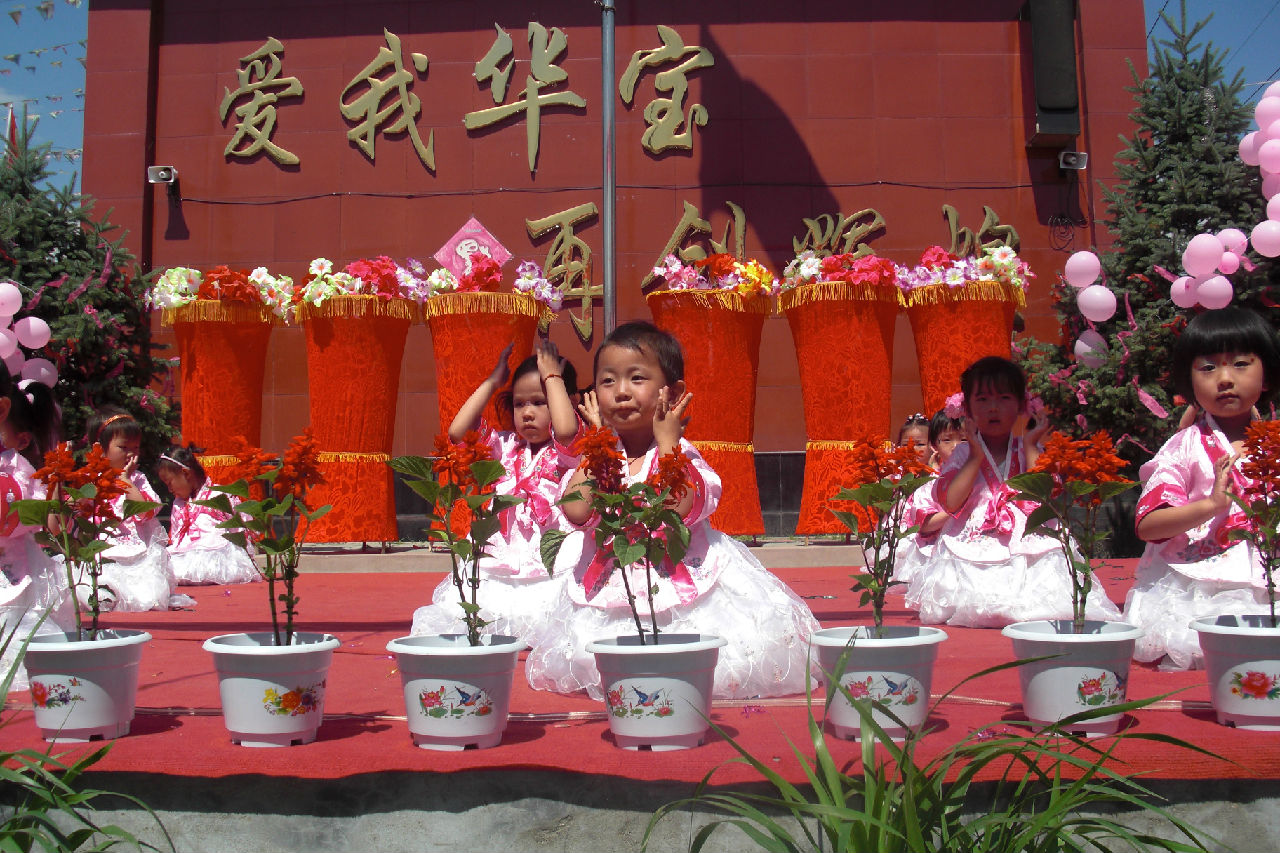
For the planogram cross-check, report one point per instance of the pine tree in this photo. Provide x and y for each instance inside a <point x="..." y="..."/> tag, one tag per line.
<point x="1180" y="175"/>
<point x="85" y="285"/>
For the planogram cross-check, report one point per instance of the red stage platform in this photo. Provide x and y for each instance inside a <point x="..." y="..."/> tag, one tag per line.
<point x="179" y="730"/>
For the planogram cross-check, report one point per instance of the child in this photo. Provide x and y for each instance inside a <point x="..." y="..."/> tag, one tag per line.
<point x="985" y="571"/>
<point x="639" y="374"/>
<point x="197" y="550"/>
<point x="136" y="573"/>
<point x="31" y="583"/>
<point x="945" y="433"/>
<point x="1228" y="361"/>
<point x="915" y="433"/>
<point x="516" y="591"/>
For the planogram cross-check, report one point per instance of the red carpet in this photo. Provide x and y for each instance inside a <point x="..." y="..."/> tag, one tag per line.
<point x="179" y="728"/>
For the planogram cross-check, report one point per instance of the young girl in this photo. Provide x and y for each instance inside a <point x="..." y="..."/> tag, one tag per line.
<point x="915" y="433"/>
<point x="925" y="510"/>
<point x="197" y="550"/>
<point x="31" y="583"/>
<point x="516" y="590"/>
<point x="136" y="574"/>
<point x="985" y="571"/>
<point x="639" y="377"/>
<point x="1228" y="361"/>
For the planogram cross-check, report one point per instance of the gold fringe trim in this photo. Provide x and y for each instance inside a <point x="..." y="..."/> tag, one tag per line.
<point x="216" y="311"/>
<point x="218" y="460"/>
<point x="483" y="302"/>
<point x="973" y="291"/>
<point x="831" y="291"/>
<point x="730" y="300"/>
<point x="831" y="445"/>
<point x="344" y="456"/>
<point x="726" y="446"/>
<point x="358" y="306"/>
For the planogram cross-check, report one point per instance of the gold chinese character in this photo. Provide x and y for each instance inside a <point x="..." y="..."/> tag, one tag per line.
<point x="990" y="235"/>
<point x="543" y="72"/>
<point x="839" y="234"/>
<point x="259" y="79"/>
<point x="664" y="115"/>
<point x="367" y="108"/>
<point x="569" y="260"/>
<point x="693" y="227"/>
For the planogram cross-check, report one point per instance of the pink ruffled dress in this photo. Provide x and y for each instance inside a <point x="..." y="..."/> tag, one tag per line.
<point x="1197" y="573"/>
<point x="985" y="571"/>
<point x="516" y="591"/>
<point x="198" y="551"/>
<point x="719" y="588"/>
<point x="31" y="583"/>
<point x="914" y="551"/>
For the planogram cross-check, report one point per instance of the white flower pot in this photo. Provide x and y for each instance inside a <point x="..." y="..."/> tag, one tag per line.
<point x="456" y="695"/>
<point x="1242" y="660"/>
<point x="1091" y="670"/>
<point x="895" y="669"/>
<point x="272" y="695"/>
<point x="84" y="690"/>
<point x="658" y="696"/>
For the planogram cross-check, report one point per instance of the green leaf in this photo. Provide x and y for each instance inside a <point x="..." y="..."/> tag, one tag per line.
<point x="549" y="548"/>
<point x="418" y="467"/>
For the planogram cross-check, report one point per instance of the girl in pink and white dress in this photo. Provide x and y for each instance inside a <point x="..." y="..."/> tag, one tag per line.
<point x="985" y="570"/>
<point x="198" y="551"/>
<point x="136" y="574"/>
<point x="718" y="588"/>
<point x="31" y="583"/>
<point x="1228" y="361"/>
<point x="516" y="590"/>
<point x="925" y="510"/>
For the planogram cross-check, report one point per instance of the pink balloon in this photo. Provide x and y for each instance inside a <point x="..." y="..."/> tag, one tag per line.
<point x="1183" y="292"/>
<point x="1082" y="269"/>
<point x="1230" y="263"/>
<point x="1202" y="254"/>
<point x="1270" y="186"/>
<point x="1269" y="155"/>
<point x="1273" y="208"/>
<point x="14" y="362"/>
<point x="1091" y="348"/>
<point x="1271" y="131"/>
<point x="1096" y="303"/>
<point x="1234" y="240"/>
<point x="8" y="343"/>
<point x="1273" y="91"/>
<point x="1267" y="111"/>
<point x="1249" y="148"/>
<point x="1215" y="292"/>
<point x="32" y="332"/>
<point x="1265" y="238"/>
<point x="41" y="370"/>
<point x="10" y="298"/>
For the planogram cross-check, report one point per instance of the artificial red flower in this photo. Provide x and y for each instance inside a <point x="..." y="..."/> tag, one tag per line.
<point x="485" y="275"/>
<point x="717" y="265"/>
<point x="229" y="285"/>
<point x="936" y="256"/>
<point x="378" y="275"/>
<point x="300" y="467"/>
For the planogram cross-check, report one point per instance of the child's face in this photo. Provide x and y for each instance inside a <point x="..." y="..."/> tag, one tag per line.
<point x="530" y="414"/>
<point x="1229" y="384"/>
<point x="917" y="438"/>
<point x="121" y="451"/>
<point x="946" y="445"/>
<point x="627" y="386"/>
<point x="179" y="481"/>
<point x="994" y="410"/>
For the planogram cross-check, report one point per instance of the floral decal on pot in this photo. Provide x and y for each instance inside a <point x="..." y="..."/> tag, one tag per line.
<point x="54" y="695"/>
<point x="627" y="700"/>
<point x="1248" y="685"/>
<point x="887" y="692"/>
<point x="455" y="701"/>
<point x="294" y="703"/>
<point x="1106" y="688"/>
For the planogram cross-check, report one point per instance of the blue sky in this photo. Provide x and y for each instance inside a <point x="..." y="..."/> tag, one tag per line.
<point x="42" y="37"/>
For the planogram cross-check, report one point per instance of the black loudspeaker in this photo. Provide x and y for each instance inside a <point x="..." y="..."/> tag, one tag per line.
<point x="1053" y="62"/>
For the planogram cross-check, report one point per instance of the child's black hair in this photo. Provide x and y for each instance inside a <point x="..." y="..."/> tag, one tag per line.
<point x="940" y="423"/>
<point x="995" y="372"/>
<point x="34" y="411"/>
<point x="505" y="397"/>
<point x="178" y="457"/>
<point x="644" y="337"/>
<point x="110" y="423"/>
<point x="1230" y="329"/>
<point x="916" y="420"/>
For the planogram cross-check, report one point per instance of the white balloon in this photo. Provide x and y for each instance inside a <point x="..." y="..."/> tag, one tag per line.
<point x="1096" y="303"/>
<point x="32" y="332"/>
<point x="14" y="362"/>
<point x="1091" y="348"/>
<point x="1183" y="291"/>
<point x="1249" y="148"/>
<point x="10" y="298"/>
<point x="1215" y="292"/>
<point x="41" y="370"/>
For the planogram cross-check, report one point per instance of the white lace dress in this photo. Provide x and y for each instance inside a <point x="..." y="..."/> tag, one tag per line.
<point x="198" y="551"/>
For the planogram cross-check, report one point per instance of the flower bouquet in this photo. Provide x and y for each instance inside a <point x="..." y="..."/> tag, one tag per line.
<point x="179" y="287"/>
<point x="1260" y="502"/>
<point x="998" y="265"/>
<point x="719" y="271"/>
<point x="849" y="267"/>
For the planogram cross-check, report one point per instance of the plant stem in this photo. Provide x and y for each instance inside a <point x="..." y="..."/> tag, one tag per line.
<point x="271" y="596"/>
<point x="631" y="600"/>
<point x="648" y="591"/>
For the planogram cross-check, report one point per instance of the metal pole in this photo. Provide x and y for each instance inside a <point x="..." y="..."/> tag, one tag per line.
<point x="608" y="162"/>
